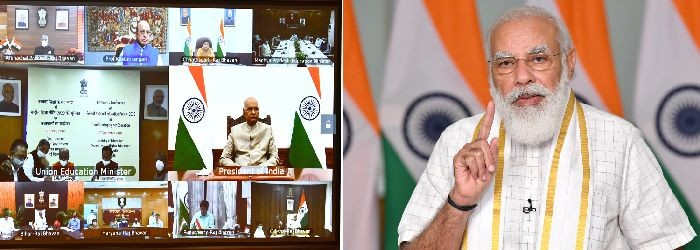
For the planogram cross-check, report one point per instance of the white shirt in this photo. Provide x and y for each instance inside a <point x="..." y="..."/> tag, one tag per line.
<point x="40" y="219"/>
<point x="156" y="223"/>
<point x="632" y="204"/>
<point x="7" y="225"/>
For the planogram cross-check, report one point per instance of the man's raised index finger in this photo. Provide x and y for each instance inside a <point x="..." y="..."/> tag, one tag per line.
<point x="488" y="121"/>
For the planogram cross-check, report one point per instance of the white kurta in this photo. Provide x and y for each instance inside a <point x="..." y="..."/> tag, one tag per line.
<point x="632" y="205"/>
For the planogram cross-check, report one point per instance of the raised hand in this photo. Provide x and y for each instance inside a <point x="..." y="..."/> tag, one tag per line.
<point x="475" y="164"/>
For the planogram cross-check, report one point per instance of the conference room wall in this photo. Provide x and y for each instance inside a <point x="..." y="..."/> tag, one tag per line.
<point x="7" y="199"/>
<point x="153" y="136"/>
<point x="152" y="199"/>
<point x="60" y="40"/>
<point x="12" y="126"/>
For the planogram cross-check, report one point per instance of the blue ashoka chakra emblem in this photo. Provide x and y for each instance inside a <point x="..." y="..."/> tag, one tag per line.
<point x="193" y="110"/>
<point x="678" y="120"/>
<point x="427" y="117"/>
<point x="347" y="132"/>
<point x="309" y="108"/>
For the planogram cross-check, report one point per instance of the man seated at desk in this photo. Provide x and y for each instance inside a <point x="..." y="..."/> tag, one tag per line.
<point x="251" y="143"/>
<point x="74" y="223"/>
<point x="7" y="223"/>
<point x="202" y="219"/>
<point x="157" y="222"/>
<point x="44" y="49"/>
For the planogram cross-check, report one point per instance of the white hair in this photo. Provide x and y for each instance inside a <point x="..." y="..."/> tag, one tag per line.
<point x="523" y="12"/>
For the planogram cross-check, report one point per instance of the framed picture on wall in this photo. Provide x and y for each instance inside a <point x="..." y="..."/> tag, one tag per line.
<point x="62" y="19"/>
<point x="184" y="16"/>
<point x="11" y="99"/>
<point x="29" y="200"/>
<point x="229" y="17"/>
<point x="53" y="200"/>
<point x="21" y="19"/>
<point x="156" y="102"/>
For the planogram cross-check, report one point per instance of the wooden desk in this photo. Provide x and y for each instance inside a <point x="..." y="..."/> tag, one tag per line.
<point x="282" y="152"/>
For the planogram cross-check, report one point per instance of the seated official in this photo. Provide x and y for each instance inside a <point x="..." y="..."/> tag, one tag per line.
<point x="157" y="222"/>
<point x="202" y="219"/>
<point x="14" y="168"/>
<point x="63" y="164"/>
<point x="205" y="53"/>
<point x="136" y="223"/>
<point x="40" y="219"/>
<point x="251" y="143"/>
<point x="93" y="224"/>
<point x="161" y="172"/>
<point x="74" y="223"/>
<point x="44" y="49"/>
<point x="7" y="223"/>
<point x="106" y="167"/>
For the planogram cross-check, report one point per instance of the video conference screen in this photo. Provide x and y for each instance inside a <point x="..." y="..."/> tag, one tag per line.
<point x="166" y="123"/>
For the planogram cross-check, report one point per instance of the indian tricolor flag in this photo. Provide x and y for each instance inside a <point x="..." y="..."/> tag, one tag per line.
<point x="188" y="41"/>
<point x="594" y="79"/>
<point x="302" y="213"/>
<point x="192" y="146"/>
<point x="306" y="149"/>
<point x="220" y="43"/>
<point x="361" y="144"/>
<point x="667" y="98"/>
<point x="435" y="75"/>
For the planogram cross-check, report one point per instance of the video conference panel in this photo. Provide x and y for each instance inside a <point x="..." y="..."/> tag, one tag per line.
<point x="168" y="123"/>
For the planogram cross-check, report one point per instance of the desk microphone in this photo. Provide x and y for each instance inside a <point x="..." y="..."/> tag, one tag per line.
<point x="527" y="210"/>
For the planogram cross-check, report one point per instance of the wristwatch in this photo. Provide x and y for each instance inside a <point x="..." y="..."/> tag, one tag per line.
<point x="458" y="207"/>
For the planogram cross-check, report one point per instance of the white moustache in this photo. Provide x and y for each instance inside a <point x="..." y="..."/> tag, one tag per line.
<point x="528" y="90"/>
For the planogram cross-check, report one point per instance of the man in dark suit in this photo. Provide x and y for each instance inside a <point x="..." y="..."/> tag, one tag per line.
<point x="185" y="16"/>
<point x="106" y="167"/>
<point x="44" y="49"/>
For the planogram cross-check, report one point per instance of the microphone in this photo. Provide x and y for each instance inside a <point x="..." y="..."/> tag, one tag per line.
<point x="527" y="210"/>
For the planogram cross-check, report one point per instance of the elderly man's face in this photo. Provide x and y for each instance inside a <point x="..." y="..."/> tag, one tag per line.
<point x="8" y="92"/>
<point x="251" y="112"/>
<point x="144" y="32"/>
<point x="106" y="155"/>
<point x="520" y="39"/>
<point x="158" y="97"/>
<point x="20" y="152"/>
<point x="44" y="148"/>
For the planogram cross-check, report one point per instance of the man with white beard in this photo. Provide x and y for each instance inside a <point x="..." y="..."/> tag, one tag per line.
<point x="539" y="169"/>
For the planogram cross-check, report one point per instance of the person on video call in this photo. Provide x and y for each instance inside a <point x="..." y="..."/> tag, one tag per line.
<point x="13" y="168"/>
<point x="141" y="53"/>
<point x="518" y="146"/>
<point x="265" y="47"/>
<point x="44" y="49"/>
<point x="205" y="53"/>
<point x="40" y="219"/>
<point x="157" y="222"/>
<point x="161" y="172"/>
<point x="106" y="166"/>
<point x="38" y="161"/>
<point x="63" y="164"/>
<point x="7" y="223"/>
<point x="202" y="219"/>
<point x="155" y="108"/>
<point x="74" y="222"/>
<point x="250" y="143"/>
<point x="8" y="95"/>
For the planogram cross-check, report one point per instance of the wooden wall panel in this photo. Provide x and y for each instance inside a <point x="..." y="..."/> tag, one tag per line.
<point x="154" y="134"/>
<point x="269" y="201"/>
<point x="76" y="194"/>
<point x="12" y="126"/>
<point x="7" y="199"/>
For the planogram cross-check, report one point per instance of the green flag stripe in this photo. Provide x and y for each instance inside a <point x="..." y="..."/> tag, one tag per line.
<point x="219" y="51"/>
<point x="399" y="187"/>
<point x="301" y="151"/>
<point x="187" y="156"/>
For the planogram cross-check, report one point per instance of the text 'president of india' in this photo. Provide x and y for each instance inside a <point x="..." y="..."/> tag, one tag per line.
<point x="540" y="170"/>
